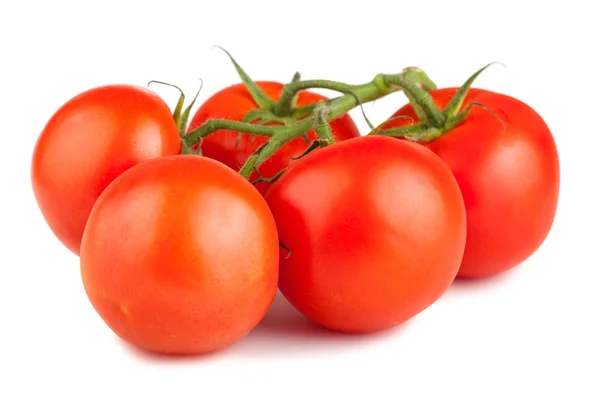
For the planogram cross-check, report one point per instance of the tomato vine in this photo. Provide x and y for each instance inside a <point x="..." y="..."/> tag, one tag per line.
<point x="287" y="122"/>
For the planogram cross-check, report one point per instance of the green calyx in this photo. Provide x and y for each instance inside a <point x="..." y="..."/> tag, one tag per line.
<point x="433" y="122"/>
<point x="181" y="115"/>
<point x="258" y="95"/>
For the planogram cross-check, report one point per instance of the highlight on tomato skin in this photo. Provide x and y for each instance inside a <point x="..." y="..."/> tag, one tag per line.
<point x="506" y="162"/>
<point x="89" y="141"/>
<point x="180" y="256"/>
<point x="376" y="231"/>
<point x="233" y="149"/>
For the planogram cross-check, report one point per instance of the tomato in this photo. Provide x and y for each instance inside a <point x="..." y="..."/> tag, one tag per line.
<point x="508" y="175"/>
<point x="89" y="141"/>
<point x="180" y="255"/>
<point x="233" y="103"/>
<point x="376" y="231"/>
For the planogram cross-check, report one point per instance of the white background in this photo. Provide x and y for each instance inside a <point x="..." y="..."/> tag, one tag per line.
<point x="530" y="333"/>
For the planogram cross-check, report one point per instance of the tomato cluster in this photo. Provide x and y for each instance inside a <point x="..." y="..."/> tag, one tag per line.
<point x="181" y="254"/>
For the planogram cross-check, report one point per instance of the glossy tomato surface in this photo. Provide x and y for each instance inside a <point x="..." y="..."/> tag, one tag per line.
<point x="180" y="256"/>
<point x="376" y="231"/>
<point x="233" y="103"/>
<point x="88" y="142"/>
<point x="508" y="174"/>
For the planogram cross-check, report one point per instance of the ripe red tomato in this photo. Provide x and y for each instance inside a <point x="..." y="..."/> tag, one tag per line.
<point x="376" y="231"/>
<point x="180" y="255"/>
<point x="233" y="103"/>
<point x="509" y="178"/>
<point x="89" y="141"/>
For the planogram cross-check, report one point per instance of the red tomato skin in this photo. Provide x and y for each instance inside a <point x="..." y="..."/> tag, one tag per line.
<point x="376" y="229"/>
<point x="89" y="141"/>
<point x="233" y="103"/>
<point x="180" y="256"/>
<point x="509" y="178"/>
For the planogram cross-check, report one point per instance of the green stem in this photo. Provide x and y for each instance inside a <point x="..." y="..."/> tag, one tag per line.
<point x="386" y="84"/>
<point x="411" y="131"/>
<point x="284" y="104"/>
<point x="269" y="148"/>
<point x="360" y="94"/>
<point x="413" y="80"/>
<point x="304" y="111"/>
<point x="249" y="165"/>
<point x="421" y="114"/>
<point x="322" y="127"/>
<point x="213" y="125"/>
<point x="420" y="97"/>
